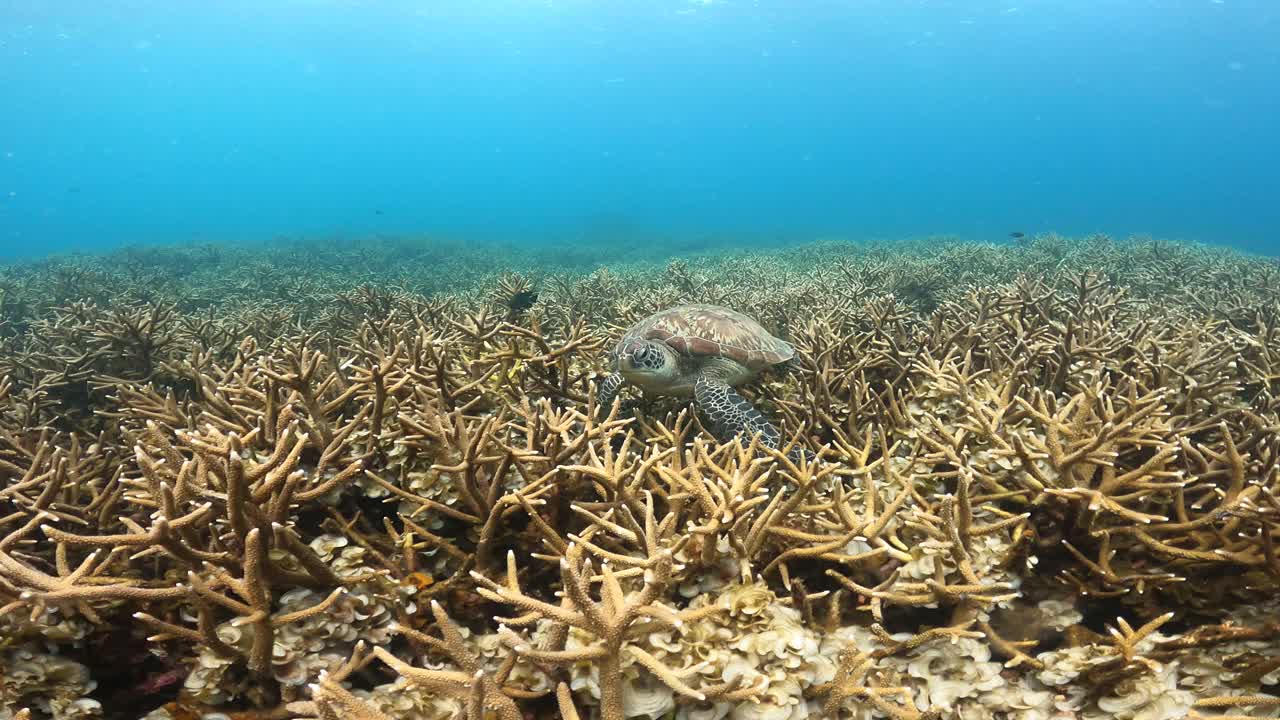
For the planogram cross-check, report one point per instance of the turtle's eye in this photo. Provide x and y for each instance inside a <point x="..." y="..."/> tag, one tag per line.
<point x="647" y="357"/>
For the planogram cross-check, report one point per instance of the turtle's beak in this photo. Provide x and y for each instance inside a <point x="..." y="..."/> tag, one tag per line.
<point x="625" y="353"/>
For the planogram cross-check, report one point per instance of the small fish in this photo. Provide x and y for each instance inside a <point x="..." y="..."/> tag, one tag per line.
<point x="1017" y="235"/>
<point x="377" y="212"/>
<point x="523" y="300"/>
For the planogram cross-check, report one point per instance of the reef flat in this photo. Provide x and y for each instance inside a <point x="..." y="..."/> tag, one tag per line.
<point x="371" y="481"/>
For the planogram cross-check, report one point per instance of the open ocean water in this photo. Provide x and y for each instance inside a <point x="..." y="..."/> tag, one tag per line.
<point x="686" y="123"/>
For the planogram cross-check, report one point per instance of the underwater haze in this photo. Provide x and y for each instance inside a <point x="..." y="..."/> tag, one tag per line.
<point x="557" y="121"/>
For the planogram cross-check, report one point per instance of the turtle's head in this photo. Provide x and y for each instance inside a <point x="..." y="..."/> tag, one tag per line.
<point x="647" y="363"/>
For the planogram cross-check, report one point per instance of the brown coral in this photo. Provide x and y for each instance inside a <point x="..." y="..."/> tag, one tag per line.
<point x="1018" y="450"/>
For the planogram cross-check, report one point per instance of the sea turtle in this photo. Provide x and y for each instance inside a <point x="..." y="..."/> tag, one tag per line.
<point x="702" y="351"/>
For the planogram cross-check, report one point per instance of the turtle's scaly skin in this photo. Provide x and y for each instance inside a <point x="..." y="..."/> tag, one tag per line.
<point x="703" y="351"/>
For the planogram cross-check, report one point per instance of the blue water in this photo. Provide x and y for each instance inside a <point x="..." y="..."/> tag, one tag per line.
<point x="172" y="120"/>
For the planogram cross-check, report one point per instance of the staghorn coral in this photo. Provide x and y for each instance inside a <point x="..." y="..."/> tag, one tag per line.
<point x="1047" y="485"/>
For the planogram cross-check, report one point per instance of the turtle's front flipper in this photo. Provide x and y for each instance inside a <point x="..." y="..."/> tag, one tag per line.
<point x="728" y="414"/>
<point x="606" y="392"/>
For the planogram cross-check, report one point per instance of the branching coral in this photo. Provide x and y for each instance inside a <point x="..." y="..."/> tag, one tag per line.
<point x="1045" y="482"/>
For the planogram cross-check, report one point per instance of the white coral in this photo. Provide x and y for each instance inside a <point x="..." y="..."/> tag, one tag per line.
<point x="952" y="671"/>
<point x="1059" y="613"/>
<point x="1154" y="696"/>
<point x="52" y="685"/>
<point x="303" y="649"/>
<point x="402" y="699"/>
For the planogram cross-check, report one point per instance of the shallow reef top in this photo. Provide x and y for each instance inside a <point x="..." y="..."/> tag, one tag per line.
<point x="371" y="481"/>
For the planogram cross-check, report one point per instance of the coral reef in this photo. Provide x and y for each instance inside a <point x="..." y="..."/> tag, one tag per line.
<point x="338" y="481"/>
